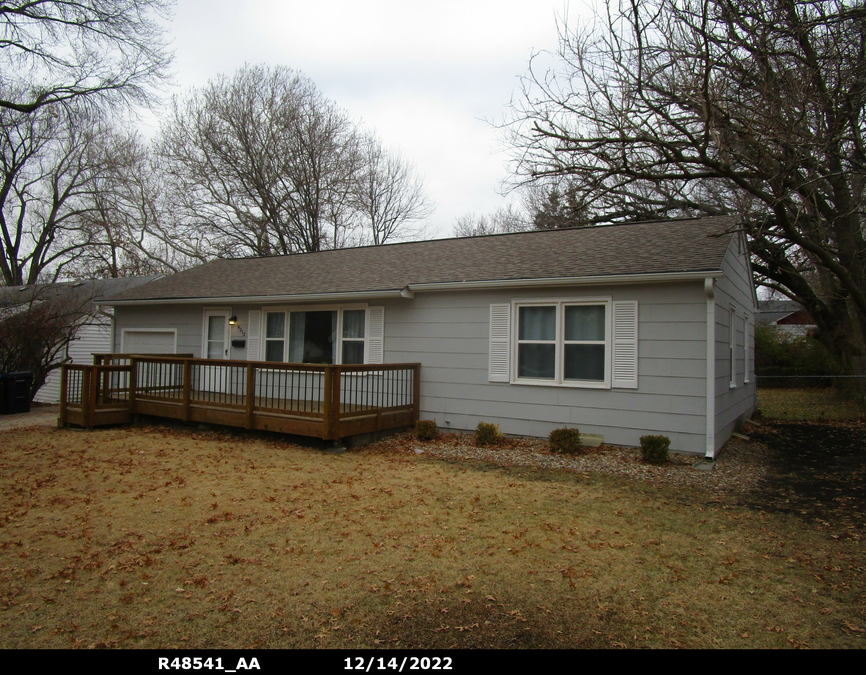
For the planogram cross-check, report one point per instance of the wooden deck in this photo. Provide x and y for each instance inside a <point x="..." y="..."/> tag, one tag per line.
<point x="323" y="401"/>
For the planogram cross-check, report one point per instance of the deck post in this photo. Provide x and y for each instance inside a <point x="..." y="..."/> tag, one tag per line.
<point x="91" y="379"/>
<point x="416" y="392"/>
<point x="64" y="386"/>
<point x="133" y="377"/>
<point x="187" y="389"/>
<point x="327" y="396"/>
<point x="251" y="393"/>
<point x="336" y="378"/>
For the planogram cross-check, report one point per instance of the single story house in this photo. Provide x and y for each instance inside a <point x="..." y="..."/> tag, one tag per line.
<point x="93" y="327"/>
<point x="619" y="330"/>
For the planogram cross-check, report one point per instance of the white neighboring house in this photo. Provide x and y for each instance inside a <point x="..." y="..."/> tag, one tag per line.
<point x="94" y="336"/>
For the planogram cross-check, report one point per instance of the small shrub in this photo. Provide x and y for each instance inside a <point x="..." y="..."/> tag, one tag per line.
<point x="487" y="433"/>
<point x="425" y="430"/>
<point x="655" y="449"/>
<point x="565" y="441"/>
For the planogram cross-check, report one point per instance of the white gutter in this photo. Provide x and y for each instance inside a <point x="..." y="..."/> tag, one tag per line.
<point x="568" y="281"/>
<point x="711" y="367"/>
<point x="410" y="290"/>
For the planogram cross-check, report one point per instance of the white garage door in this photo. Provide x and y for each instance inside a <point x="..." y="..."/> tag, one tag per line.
<point x="149" y="342"/>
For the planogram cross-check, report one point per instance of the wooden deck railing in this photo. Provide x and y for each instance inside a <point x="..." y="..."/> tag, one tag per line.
<point x="329" y="402"/>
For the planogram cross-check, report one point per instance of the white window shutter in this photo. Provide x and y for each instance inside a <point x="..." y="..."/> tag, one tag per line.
<point x="500" y="342"/>
<point x="376" y="335"/>
<point x="254" y="333"/>
<point x="625" y="344"/>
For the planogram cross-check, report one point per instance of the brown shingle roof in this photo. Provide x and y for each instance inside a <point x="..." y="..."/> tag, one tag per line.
<point x="692" y="245"/>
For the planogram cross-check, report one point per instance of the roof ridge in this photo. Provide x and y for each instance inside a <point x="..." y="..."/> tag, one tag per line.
<point x="394" y="244"/>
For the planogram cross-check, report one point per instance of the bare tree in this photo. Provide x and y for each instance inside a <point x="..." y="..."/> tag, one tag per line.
<point x="127" y="220"/>
<point x="688" y="107"/>
<point x="46" y="170"/>
<point x="56" y="51"/>
<point x="390" y="195"/>
<point x="504" y="220"/>
<point x="262" y="164"/>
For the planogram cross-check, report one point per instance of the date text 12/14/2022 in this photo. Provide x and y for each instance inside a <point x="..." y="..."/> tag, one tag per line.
<point x="399" y="665"/>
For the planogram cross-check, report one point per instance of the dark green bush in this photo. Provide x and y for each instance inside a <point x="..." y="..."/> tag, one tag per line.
<point x="565" y="441"/>
<point x="426" y="430"/>
<point x="655" y="449"/>
<point x="487" y="433"/>
<point x="778" y="353"/>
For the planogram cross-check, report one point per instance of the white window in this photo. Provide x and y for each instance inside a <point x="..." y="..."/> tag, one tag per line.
<point x="747" y="351"/>
<point x="565" y="342"/>
<point x="354" y="324"/>
<point x="732" y="342"/>
<point x="536" y="342"/>
<point x="572" y="342"/>
<point x="324" y="336"/>
<point x="275" y="336"/>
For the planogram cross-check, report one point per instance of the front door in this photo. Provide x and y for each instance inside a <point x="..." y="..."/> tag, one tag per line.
<point x="216" y="346"/>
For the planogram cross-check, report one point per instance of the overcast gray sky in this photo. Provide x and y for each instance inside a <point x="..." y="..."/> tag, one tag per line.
<point x="424" y="76"/>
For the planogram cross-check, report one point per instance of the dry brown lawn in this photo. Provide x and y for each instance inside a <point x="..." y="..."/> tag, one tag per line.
<point x="803" y="404"/>
<point x="153" y="537"/>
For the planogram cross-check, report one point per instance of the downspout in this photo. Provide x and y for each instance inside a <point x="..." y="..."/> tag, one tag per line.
<point x="711" y="367"/>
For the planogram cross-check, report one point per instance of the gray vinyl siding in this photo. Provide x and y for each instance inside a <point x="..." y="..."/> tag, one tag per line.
<point x="733" y="405"/>
<point x="448" y="333"/>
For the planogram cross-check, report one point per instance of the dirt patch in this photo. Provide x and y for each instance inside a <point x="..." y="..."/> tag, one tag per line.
<point x="816" y="472"/>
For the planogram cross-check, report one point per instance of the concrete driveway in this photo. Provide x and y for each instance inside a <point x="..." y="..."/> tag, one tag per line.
<point x="39" y="416"/>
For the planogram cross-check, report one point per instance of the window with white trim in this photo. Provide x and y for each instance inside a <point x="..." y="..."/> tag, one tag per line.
<point x="732" y="343"/>
<point x="747" y="350"/>
<point x="354" y="321"/>
<point x="575" y="342"/>
<point x="275" y="336"/>
<point x="324" y="336"/>
<point x="566" y="342"/>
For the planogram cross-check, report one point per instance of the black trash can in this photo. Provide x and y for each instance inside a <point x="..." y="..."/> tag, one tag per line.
<point x="17" y="391"/>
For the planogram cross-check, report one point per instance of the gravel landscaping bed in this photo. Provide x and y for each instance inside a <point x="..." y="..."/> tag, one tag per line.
<point x="739" y="467"/>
